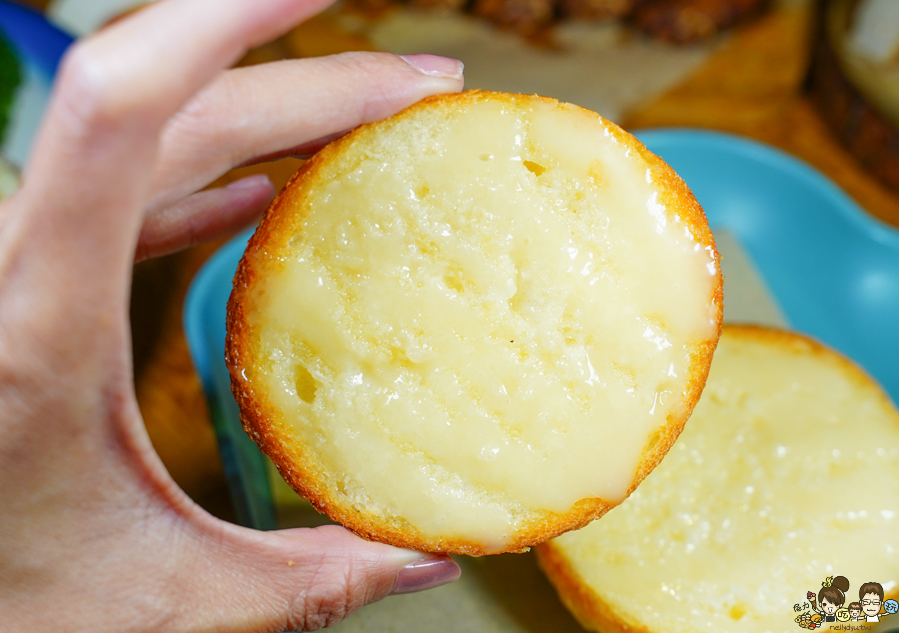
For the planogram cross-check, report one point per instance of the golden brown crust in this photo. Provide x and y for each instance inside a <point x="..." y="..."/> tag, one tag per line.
<point x="299" y="470"/>
<point x="585" y="604"/>
<point x="593" y="613"/>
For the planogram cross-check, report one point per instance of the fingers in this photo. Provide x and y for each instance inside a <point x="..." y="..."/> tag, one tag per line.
<point x="303" y="579"/>
<point x="287" y="107"/>
<point x="87" y="184"/>
<point x="204" y="216"/>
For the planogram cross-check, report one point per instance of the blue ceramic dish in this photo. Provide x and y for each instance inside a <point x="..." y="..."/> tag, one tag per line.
<point x="38" y="41"/>
<point x="832" y="268"/>
<point x="39" y="46"/>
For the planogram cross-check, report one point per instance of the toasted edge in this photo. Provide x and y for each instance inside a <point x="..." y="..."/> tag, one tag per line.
<point x="265" y="426"/>
<point x="587" y="606"/>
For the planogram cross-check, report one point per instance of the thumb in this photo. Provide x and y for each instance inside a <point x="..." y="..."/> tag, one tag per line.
<point x="303" y="579"/>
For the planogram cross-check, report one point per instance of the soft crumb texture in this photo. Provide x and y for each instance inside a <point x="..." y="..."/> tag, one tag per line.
<point x="788" y="472"/>
<point x="477" y="324"/>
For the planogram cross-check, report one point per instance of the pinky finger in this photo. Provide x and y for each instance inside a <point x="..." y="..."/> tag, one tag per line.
<point x="204" y="216"/>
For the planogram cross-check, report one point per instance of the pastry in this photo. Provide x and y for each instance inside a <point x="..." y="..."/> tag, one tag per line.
<point x="475" y="325"/>
<point x="788" y="468"/>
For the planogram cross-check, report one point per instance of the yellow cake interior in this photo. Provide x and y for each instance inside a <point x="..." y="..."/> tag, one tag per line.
<point x="787" y="472"/>
<point x="488" y="316"/>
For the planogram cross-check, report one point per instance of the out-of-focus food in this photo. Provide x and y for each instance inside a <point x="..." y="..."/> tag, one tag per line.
<point x="596" y="10"/>
<point x="685" y="21"/>
<point x="788" y="468"/>
<point x="673" y="21"/>
<point x="524" y="16"/>
<point x="854" y="80"/>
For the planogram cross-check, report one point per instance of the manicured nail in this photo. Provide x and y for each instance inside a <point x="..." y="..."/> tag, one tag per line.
<point x="435" y="65"/>
<point x="426" y="574"/>
<point x="250" y="182"/>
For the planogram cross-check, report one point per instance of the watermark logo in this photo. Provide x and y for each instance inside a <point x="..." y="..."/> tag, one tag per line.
<point x="829" y="608"/>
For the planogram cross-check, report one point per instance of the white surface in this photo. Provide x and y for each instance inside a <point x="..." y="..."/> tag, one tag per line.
<point x="746" y="298"/>
<point x="605" y="68"/>
<point x="875" y="30"/>
<point x="80" y="17"/>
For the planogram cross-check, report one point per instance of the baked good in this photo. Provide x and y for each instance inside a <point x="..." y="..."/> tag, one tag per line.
<point x="475" y="325"/>
<point x="670" y="21"/>
<point x="524" y="16"/>
<point x="787" y="473"/>
<point x="596" y="10"/>
<point x="686" y="21"/>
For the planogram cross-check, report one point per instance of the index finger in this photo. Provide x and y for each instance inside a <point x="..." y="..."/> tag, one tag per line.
<point x="87" y="182"/>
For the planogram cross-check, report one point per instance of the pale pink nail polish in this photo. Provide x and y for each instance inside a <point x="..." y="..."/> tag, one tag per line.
<point x="250" y="182"/>
<point x="435" y="65"/>
<point x="426" y="574"/>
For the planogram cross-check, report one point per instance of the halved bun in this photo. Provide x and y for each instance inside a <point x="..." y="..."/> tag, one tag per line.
<point x="787" y="473"/>
<point x="475" y="325"/>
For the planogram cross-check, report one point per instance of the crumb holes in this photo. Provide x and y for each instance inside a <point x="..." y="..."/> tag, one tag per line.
<point x="399" y="358"/>
<point x="428" y="249"/>
<point x="455" y="280"/>
<point x="511" y="432"/>
<point x="306" y="384"/>
<point x="737" y="611"/>
<point x="626" y="375"/>
<point x="533" y="167"/>
<point x="596" y="174"/>
<point x="653" y="442"/>
<point x="453" y="283"/>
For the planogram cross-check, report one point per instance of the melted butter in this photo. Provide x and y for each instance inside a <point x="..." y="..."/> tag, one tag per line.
<point x="494" y="320"/>
<point x="785" y="474"/>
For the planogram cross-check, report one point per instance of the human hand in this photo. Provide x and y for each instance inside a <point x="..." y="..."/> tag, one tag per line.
<point x="94" y="534"/>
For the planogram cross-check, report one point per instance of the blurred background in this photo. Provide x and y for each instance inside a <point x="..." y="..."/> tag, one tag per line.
<point x="818" y="79"/>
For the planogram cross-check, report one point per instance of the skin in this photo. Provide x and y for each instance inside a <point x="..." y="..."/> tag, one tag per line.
<point x="873" y="608"/>
<point x="94" y="534"/>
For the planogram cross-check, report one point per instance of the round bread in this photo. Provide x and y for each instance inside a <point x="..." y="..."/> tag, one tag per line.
<point x="475" y="325"/>
<point x="787" y="473"/>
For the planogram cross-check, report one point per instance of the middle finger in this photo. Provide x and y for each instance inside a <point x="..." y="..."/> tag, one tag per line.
<point x="262" y="111"/>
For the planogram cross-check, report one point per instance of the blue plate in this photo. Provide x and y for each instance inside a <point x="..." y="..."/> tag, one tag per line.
<point x="832" y="268"/>
<point x="39" y="46"/>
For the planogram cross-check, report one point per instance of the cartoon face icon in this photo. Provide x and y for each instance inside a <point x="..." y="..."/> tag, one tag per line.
<point x="843" y="615"/>
<point x="871" y="604"/>
<point x="891" y="606"/>
<point x="830" y="608"/>
<point x="855" y="611"/>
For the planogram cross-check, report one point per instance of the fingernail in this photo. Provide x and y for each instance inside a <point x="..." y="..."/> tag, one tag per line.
<point x="426" y="574"/>
<point x="250" y="182"/>
<point x="435" y="65"/>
